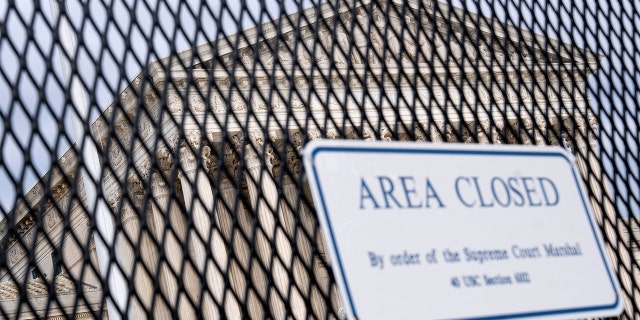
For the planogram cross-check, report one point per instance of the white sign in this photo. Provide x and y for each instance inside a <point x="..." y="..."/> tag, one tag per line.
<point x="424" y="231"/>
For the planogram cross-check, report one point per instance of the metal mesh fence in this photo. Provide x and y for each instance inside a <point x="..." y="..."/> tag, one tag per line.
<point x="149" y="161"/>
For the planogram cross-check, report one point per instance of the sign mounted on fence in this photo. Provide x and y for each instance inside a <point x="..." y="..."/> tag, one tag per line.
<point x="423" y="231"/>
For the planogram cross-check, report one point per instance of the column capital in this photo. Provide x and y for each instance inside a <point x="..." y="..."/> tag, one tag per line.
<point x="159" y="187"/>
<point x="252" y="150"/>
<point x="193" y="137"/>
<point x="496" y="132"/>
<point x="230" y="160"/>
<point x="313" y="134"/>
<point x="511" y="129"/>
<point x="580" y="131"/>
<point x="165" y="159"/>
<point x="483" y="131"/>
<point x="257" y="138"/>
<point x="435" y="131"/>
<point x="187" y="160"/>
<point x="136" y="190"/>
<point x="209" y="159"/>
<point x="144" y="169"/>
<point x="386" y="134"/>
<point x="545" y="128"/>
<point x="333" y="134"/>
<point x="528" y="131"/>
<point x="252" y="158"/>
<point x="419" y="133"/>
<point x="297" y="139"/>
<point x="368" y="134"/>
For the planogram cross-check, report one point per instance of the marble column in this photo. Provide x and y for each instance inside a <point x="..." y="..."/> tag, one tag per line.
<point x="198" y="197"/>
<point x="127" y="239"/>
<point x="264" y="199"/>
<point x="134" y="251"/>
<point x="170" y="233"/>
<point x="322" y="287"/>
<point x="620" y="253"/>
<point x="589" y="167"/>
<point x="148" y="250"/>
<point x="291" y="234"/>
<point x="222" y="229"/>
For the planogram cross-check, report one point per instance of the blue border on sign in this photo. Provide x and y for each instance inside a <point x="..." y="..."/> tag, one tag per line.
<point x="349" y="149"/>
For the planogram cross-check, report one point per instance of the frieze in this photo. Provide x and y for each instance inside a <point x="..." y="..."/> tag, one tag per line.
<point x="252" y="158"/>
<point x="107" y="175"/>
<point x="502" y="91"/>
<point x="284" y="55"/>
<point x="243" y="83"/>
<point x="257" y="138"/>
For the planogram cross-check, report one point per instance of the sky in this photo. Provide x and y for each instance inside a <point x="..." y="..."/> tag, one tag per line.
<point x="113" y="35"/>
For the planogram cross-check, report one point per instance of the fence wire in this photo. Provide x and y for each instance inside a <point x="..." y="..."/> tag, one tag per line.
<point x="150" y="166"/>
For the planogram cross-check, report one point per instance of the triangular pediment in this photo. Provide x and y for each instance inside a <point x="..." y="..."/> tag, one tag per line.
<point x="432" y="33"/>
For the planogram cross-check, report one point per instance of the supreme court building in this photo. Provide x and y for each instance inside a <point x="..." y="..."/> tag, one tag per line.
<point x="201" y="163"/>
